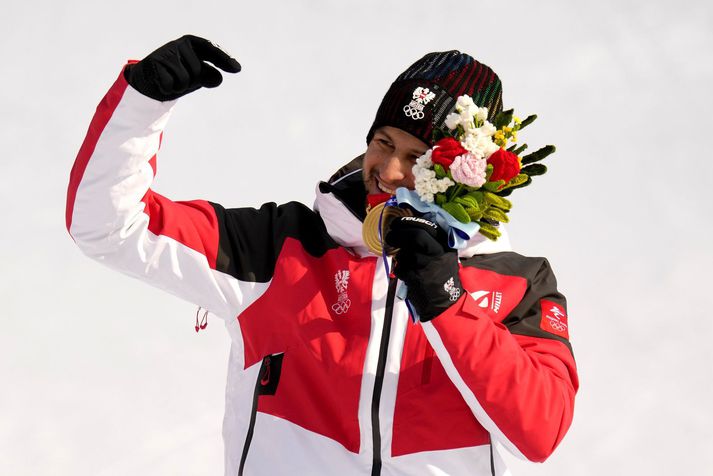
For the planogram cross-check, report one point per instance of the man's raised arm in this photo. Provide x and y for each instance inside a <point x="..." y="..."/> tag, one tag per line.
<point x="113" y="214"/>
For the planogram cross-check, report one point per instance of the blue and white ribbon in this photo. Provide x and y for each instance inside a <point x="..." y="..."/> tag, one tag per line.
<point x="458" y="233"/>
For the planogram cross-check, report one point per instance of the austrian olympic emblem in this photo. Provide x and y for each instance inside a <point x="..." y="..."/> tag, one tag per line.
<point x="421" y="97"/>
<point x="341" y="282"/>
<point x="452" y="290"/>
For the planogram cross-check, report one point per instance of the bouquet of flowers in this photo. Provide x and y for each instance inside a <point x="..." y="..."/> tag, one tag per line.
<point x="475" y="164"/>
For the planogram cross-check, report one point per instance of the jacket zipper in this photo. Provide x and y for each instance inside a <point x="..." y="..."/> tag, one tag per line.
<point x="379" y="382"/>
<point x="262" y="374"/>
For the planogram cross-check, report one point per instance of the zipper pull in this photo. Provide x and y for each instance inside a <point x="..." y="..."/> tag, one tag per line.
<point x="203" y="322"/>
<point x="265" y="378"/>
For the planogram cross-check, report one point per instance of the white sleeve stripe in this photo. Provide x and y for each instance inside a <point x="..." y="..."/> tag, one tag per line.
<point x="437" y="343"/>
<point x="174" y="267"/>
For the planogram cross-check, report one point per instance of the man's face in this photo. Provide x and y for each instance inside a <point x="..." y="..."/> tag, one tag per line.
<point x="389" y="158"/>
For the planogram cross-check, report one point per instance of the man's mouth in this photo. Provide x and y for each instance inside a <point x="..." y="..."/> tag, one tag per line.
<point x="384" y="188"/>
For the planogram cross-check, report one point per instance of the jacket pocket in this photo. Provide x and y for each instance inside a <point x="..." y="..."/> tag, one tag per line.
<point x="268" y="378"/>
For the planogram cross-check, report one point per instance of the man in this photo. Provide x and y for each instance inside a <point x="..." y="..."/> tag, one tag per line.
<point x="328" y="374"/>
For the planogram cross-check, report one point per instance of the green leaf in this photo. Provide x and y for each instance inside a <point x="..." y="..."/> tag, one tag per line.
<point x="520" y="149"/>
<point x="528" y="120"/>
<point x="467" y="201"/>
<point x="496" y="214"/>
<point x="534" y="169"/>
<point x="440" y="199"/>
<point x="489" y="231"/>
<point x="508" y="191"/>
<point x="440" y="171"/>
<point x="479" y="197"/>
<point x="493" y="186"/>
<point x="474" y="214"/>
<point x="503" y="119"/>
<point x="538" y="155"/>
<point x="457" y="211"/>
<point x="517" y="180"/>
<point x="497" y="201"/>
<point x="488" y="171"/>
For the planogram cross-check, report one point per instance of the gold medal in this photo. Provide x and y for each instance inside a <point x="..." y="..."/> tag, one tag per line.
<point x="370" y="227"/>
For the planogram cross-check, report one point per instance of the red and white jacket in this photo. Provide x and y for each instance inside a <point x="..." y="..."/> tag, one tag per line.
<point x="328" y="374"/>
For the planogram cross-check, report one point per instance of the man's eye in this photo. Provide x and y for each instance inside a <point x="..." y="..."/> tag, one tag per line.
<point x="384" y="142"/>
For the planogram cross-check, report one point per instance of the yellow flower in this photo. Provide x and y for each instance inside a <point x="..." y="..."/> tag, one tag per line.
<point x="499" y="138"/>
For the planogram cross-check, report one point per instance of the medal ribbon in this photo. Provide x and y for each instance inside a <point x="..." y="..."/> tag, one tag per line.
<point x="402" y="289"/>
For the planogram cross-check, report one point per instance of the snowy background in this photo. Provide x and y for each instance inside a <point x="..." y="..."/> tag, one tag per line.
<point x="102" y="375"/>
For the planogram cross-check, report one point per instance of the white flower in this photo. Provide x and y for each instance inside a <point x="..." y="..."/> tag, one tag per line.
<point x="490" y="148"/>
<point x="479" y="141"/>
<point x="425" y="159"/>
<point x="476" y="144"/>
<point x="443" y="184"/>
<point x="426" y="183"/>
<point x="466" y="120"/>
<point x="426" y="188"/>
<point x="423" y="189"/>
<point x="487" y="129"/>
<point x="481" y="114"/>
<point x="465" y="102"/>
<point x="452" y="120"/>
<point x="470" y="113"/>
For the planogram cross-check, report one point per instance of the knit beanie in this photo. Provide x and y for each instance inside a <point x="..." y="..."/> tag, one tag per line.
<point x="423" y="95"/>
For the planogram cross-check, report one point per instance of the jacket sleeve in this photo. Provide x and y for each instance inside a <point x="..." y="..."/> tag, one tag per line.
<point x="518" y="376"/>
<point x="219" y="259"/>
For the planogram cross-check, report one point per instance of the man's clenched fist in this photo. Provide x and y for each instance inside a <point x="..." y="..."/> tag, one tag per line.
<point x="426" y="263"/>
<point x="180" y="67"/>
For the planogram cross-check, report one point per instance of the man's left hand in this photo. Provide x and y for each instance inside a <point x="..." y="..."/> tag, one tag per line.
<point x="426" y="263"/>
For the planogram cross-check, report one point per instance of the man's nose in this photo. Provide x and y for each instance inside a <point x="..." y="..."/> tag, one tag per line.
<point x="392" y="170"/>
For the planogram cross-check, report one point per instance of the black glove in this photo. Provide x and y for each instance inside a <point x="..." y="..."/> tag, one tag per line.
<point x="426" y="264"/>
<point x="179" y="67"/>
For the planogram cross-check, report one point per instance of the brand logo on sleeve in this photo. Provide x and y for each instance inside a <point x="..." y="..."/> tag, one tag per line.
<point x="554" y="319"/>
<point x="341" y="282"/>
<point x="488" y="299"/>
<point x="421" y="97"/>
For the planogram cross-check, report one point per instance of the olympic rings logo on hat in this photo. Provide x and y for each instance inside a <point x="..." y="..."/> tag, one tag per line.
<point x="414" y="113"/>
<point x="421" y="97"/>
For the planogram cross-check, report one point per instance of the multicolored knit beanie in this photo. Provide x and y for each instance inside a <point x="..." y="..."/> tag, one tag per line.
<point x="423" y="95"/>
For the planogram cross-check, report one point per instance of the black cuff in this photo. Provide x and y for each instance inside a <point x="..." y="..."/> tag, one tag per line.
<point x="433" y="288"/>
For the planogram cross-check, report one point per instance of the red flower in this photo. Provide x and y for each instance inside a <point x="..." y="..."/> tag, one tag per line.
<point x="505" y="165"/>
<point x="446" y="150"/>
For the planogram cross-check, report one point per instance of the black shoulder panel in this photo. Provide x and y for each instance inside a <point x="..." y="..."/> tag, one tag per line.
<point x="526" y="317"/>
<point x="251" y="239"/>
